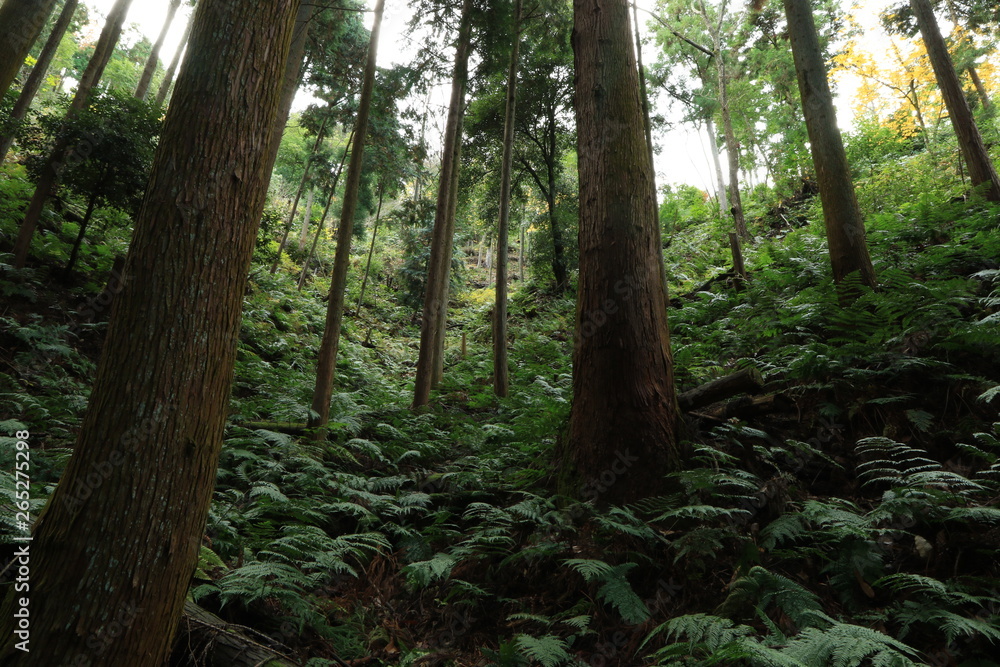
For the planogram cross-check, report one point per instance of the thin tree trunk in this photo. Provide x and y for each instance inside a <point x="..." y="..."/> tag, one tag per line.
<point x="520" y="255"/>
<point x="21" y="22"/>
<point x="559" y="269"/>
<point x="168" y="77"/>
<point x="37" y="76"/>
<point x="298" y="194"/>
<point x="306" y="219"/>
<point x="51" y="171"/>
<point x="439" y="264"/>
<point x="723" y="198"/>
<point x="642" y="81"/>
<point x="845" y="230"/>
<point x="624" y="414"/>
<point x="91" y="204"/>
<point x="113" y="550"/>
<point x="326" y="211"/>
<point x="371" y="249"/>
<point x="327" y="361"/>
<point x="142" y="90"/>
<point x="981" y="170"/>
<point x="984" y="97"/>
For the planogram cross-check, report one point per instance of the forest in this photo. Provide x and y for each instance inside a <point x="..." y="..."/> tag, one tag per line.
<point x="355" y="334"/>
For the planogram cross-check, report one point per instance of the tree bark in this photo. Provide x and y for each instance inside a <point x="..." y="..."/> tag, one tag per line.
<point x="142" y="90"/>
<point x="330" y="345"/>
<point x="501" y="375"/>
<point x="168" y="77"/>
<point x="624" y="402"/>
<point x="37" y="76"/>
<point x="52" y="169"/>
<point x="981" y="169"/>
<point x="21" y="22"/>
<point x="115" y="547"/>
<point x="439" y="265"/>
<point x="845" y="230"/>
<point x="748" y="380"/>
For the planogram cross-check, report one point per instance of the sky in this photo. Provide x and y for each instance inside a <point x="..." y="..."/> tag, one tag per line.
<point x="683" y="154"/>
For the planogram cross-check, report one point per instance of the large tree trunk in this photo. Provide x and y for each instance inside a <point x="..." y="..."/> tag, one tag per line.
<point x="845" y="230"/>
<point x="37" y="76"/>
<point x="327" y="361"/>
<point x="981" y="170"/>
<point x="439" y="265"/>
<point x="501" y="379"/>
<point x="168" y="77"/>
<point x="50" y="173"/>
<point x="624" y="403"/>
<point x="154" y="56"/>
<point x="115" y="547"/>
<point x="21" y="22"/>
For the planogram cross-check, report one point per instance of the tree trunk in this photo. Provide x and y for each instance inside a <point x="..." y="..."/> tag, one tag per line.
<point x="168" y="77"/>
<point x="748" y="380"/>
<point x="205" y="639"/>
<point x="439" y="265"/>
<point x="732" y="154"/>
<point x="327" y="361"/>
<point x="737" y="253"/>
<point x="520" y="254"/>
<point x="50" y="172"/>
<point x="142" y="90"/>
<point x="845" y="230"/>
<point x="501" y="377"/>
<point x="21" y="22"/>
<point x="37" y="76"/>
<point x="115" y="547"/>
<point x="306" y="220"/>
<point x="981" y="170"/>
<point x="624" y="403"/>
<point x="720" y="181"/>
<point x="371" y="249"/>
<point x="984" y="97"/>
<point x="559" y="269"/>
<point x="326" y="211"/>
<point x="91" y="204"/>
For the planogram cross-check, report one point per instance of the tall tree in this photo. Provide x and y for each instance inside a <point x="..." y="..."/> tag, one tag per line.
<point x="115" y="547"/>
<point x="982" y="172"/>
<point x="38" y="72"/>
<point x="168" y="77"/>
<point x="438" y="270"/>
<point x="845" y="230"/>
<point x="501" y="379"/>
<point x="624" y="414"/>
<point x="330" y="345"/>
<point x="154" y="56"/>
<point x="49" y="177"/>
<point x="21" y="22"/>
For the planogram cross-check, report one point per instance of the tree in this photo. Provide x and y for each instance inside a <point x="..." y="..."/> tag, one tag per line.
<point x="330" y="345"/>
<point x="154" y="56"/>
<point x="845" y="230"/>
<point x="982" y="172"/>
<point x="62" y="151"/>
<point x="21" y="22"/>
<point x="624" y="403"/>
<point x="115" y="547"/>
<point x="168" y="77"/>
<point x="37" y="76"/>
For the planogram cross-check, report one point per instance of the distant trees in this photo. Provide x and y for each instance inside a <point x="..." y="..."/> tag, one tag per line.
<point x="21" y="21"/>
<point x="114" y="550"/>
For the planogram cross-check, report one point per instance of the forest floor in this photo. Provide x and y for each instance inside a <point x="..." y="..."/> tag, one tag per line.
<point x="850" y="520"/>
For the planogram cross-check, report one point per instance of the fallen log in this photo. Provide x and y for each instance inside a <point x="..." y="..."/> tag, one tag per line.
<point x="290" y="428"/>
<point x="748" y="380"/>
<point x="747" y="406"/>
<point x="204" y="639"/>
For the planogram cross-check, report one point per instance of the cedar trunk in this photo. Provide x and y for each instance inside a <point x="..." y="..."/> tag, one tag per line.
<point x="327" y="361"/>
<point x="154" y="56"/>
<point x="845" y="230"/>
<point x="51" y="171"/>
<point x="115" y="547"/>
<point x="21" y="22"/>
<point x="38" y="72"/>
<point x="622" y="436"/>
<point x="981" y="170"/>
<point x="439" y="264"/>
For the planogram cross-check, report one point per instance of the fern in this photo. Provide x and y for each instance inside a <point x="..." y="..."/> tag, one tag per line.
<point x="548" y="650"/>
<point x="615" y="590"/>
<point x="846" y="645"/>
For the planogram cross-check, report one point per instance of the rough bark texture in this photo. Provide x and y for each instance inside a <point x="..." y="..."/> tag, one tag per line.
<point x="981" y="169"/>
<point x="501" y="379"/>
<point x="38" y="72"/>
<point x="327" y="361"/>
<point x="115" y="548"/>
<point x="154" y="56"/>
<point x="622" y="435"/>
<point x="845" y="230"/>
<point x="49" y="177"/>
<point x="439" y="264"/>
<point x="21" y="22"/>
